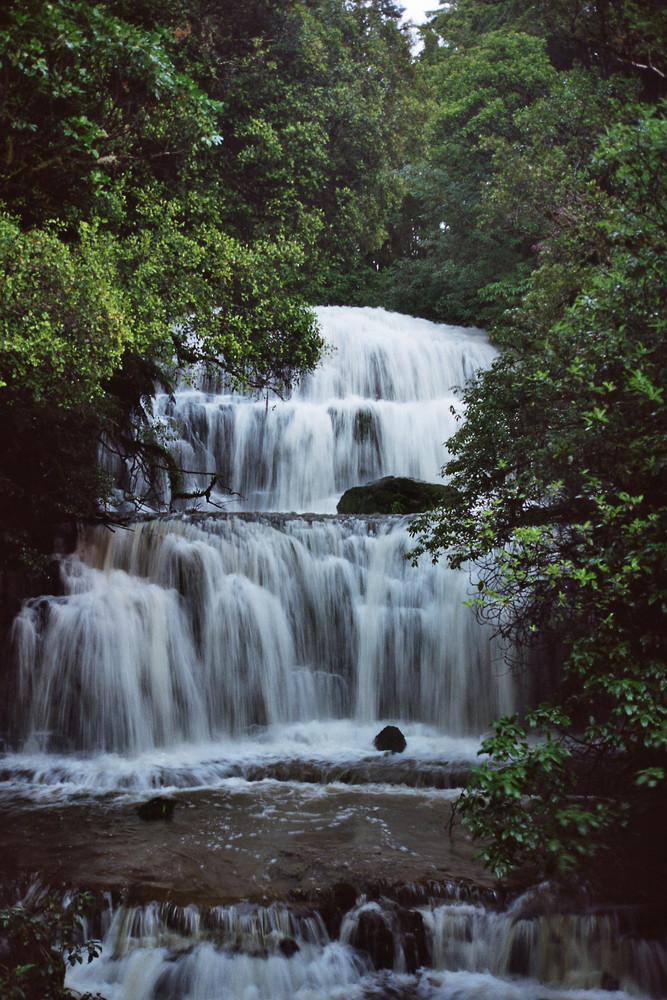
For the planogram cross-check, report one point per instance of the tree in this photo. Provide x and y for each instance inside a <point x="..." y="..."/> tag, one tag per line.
<point x="612" y="36"/>
<point x="179" y="178"/>
<point x="451" y="266"/>
<point x="63" y="332"/>
<point x="321" y="112"/>
<point x="115" y="265"/>
<point x="559" y="479"/>
<point x="497" y="72"/>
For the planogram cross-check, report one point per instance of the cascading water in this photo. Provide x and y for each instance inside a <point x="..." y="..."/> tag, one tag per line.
<point x="241" y="664"/>
<point x="186" y="632"/>
<point x="378" y="405"/>
<point x="189" y="629"/>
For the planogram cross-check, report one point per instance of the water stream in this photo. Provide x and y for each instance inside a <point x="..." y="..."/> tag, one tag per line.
<point x="238" y="659"/>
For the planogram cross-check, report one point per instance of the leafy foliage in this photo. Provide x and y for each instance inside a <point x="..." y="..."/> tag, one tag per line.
<point x="615" y="35"/>
<point x="560" y="473"/>
<point x="520" y="95"/>
<point x="39" y="939"/>
<point x="450" y="267"/>
<point x="89" y="96"/>
<point x="554" y="177"/>
<point x="177" y="179"/>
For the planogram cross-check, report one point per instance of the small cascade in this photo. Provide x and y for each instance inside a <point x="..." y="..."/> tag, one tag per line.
<point x="454" y="949"/>
<point x="220" y="952"/>
<point x="223" y="952"/>
<point x="573" y="951"/>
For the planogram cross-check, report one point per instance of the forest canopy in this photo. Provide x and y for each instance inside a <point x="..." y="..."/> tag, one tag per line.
<point x="558" y="476"/>
<point x="179" y="181"/>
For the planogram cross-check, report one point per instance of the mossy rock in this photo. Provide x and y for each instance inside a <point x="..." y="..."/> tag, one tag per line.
<point x="394" y="495"/>
<point x="158" y="808"/>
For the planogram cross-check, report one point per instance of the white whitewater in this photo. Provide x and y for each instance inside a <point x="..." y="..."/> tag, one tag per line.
<point x="181" y="632"/>
<point x="190" y="629"/>
<point x="276" y="953"/>
<point x="379" y="404"/>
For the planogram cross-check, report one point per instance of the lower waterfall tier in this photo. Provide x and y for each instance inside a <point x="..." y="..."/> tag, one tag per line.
<point x="382" y="951"/>
<point x="431" y="942"/>
<point x="190" y="630"/>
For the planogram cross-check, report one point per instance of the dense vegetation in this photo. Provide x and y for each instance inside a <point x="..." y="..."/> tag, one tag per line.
<point x="181" y="179"/>
<point x="39" y="938"/>
<point x="178" y="179"/>
<point x="560" y="470"/>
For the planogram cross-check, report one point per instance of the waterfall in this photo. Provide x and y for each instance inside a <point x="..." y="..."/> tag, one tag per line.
<point x="188" y="630"/>
<point x="238" y="656"/>
<point x="193" y="628"/>
<point x="382" y="950"/>
<point x="379" y="404"/>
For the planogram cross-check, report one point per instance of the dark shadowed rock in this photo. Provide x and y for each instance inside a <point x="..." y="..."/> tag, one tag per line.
<point x="519" y="958"/>
<point x="390" y="738"/>
<point x="289" y="947"/>
<point x="416" y="945"/>
<point x="373" y="934"/>
<point x="383" y="929"/>
<point x="337" y="901"/>
<point x="157" y="808"/>
<point x="394" y="495"/>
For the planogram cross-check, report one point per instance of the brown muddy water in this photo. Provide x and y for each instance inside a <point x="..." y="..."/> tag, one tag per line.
<point x="259" y="842"/>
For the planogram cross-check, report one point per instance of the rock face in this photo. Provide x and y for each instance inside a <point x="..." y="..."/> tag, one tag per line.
<point x="337" y="901"/>
<point x="393" y="495"/>
<point x="383" y="929"/>
<point x="390" y="738"/>
<point x="374" y="934"/>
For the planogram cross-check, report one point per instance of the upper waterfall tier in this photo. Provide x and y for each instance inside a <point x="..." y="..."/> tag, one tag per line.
<point x="374" y="355"/>
<point x="378" y="404"/>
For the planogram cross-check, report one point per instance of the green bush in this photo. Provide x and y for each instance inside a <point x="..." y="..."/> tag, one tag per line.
<point x="38" y="939"/>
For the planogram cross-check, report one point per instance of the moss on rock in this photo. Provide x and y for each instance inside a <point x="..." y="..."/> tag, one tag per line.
<point x="394" y="495"/>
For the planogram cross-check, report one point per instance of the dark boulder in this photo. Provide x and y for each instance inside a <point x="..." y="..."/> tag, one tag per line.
<point x="394" y="495"/>
<point x="157" y="808"/>
<point x="373" y="933"/>
<point x="288" y="946"/>
<point x="390" y="738"/>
